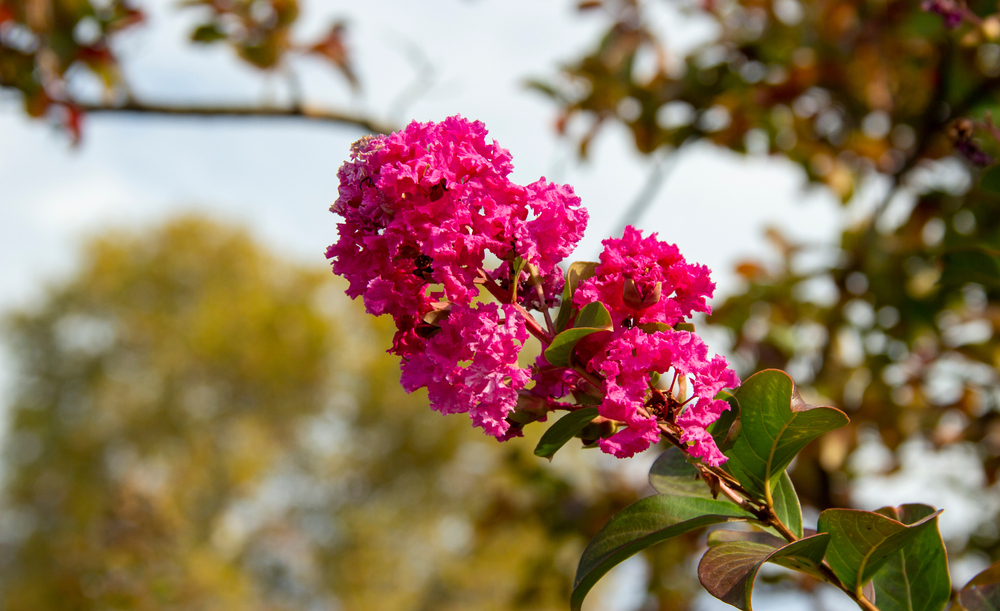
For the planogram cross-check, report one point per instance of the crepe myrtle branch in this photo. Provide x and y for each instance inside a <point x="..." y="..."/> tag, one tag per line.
<point x="306" y="112"/>
<point x="722" y="481"/>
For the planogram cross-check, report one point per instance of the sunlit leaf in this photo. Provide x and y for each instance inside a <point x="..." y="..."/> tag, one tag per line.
<point x="563" y="430"/>
<point x="593" y="318"/>
<point x="861" y="542"/>
<point x="775" y="425"/>
<point x="641" y="525"/>
<point x="916" y="577"/>
<point x="787" y="506"/>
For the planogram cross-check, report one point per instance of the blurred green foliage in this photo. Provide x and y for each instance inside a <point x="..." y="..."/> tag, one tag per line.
<point x="197" y="424"/>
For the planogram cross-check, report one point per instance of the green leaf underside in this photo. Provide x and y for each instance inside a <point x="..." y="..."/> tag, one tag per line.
<point x="983" y="592"/>
<point x="671" y="473"/>
<point x="563" y="430"/>
<point x="916" y="577"/>
<point x="786" y="505"/>
<point x="775" y="425"/>
<point x="641" y="525"/>
<point x="861" y="542"/>
<point x="594" y="317"/>
<point x="729" y="567"/>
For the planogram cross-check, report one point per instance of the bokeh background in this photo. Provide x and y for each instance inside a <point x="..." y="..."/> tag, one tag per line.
<point x="195" y="416"/>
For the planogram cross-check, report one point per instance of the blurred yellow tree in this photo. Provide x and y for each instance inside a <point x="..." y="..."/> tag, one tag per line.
<point x="197" y="424"/>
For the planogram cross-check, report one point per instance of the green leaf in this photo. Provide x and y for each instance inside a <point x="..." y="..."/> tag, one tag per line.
<point x="653" y="327"/>
<point x="775" y="425"/>
<point x="726" y="429"/>
<point x="671" y="473"/>
<point x="207" y="33"/>
<point x="991" y="180"/>
<point x="578" y="272"/>
<point x="729" y="567"/>
<point x="916" y="577"/>
<point x="861" y="542"/>
<point x="641" y="525"/>
<point x="972" y="263"/>
<point x="983" y="592"/>
<point x="594" y="317"/>
<point x="563" y="430"/>
<point x="786" y="505"/>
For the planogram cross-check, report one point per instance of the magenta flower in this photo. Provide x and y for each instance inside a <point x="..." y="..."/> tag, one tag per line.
<point x="424" y="205"/>
<point x="626" y="364"/>
<point x="646" y="280"/>
<point x="485" y="388"/>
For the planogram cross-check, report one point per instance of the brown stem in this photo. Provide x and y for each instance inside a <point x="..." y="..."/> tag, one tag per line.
<point x="529" y="321"/>
<point x="586" y="375"/>
<point x="833" y="580"/>
<point x="295" y="112"/>
<point x="536" y="281"/>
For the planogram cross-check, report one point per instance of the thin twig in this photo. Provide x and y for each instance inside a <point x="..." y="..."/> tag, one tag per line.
<point x="661" y="169"/>
<point x="529" y="321"/>
<point x="536" y="281"/>
<point x="198" y="111"/>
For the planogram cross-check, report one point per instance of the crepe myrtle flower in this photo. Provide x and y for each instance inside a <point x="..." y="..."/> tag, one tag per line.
<point x="648" y="287"/>
<point x="421" y="210"/>
<point x="423" y="207"/>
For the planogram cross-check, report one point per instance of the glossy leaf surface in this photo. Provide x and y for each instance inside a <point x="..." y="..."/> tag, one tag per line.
<point x="787" y="506"/>
<point x="861" y="542"/>
<point x="671" y="473"/>
<point x="594" y="317"/>
<point x="563" y="430"/>
<point x="578" y="272"/>
<point x="641" y="525"/>
<point x="916" y="577"/>
<point x="775" y="425"/>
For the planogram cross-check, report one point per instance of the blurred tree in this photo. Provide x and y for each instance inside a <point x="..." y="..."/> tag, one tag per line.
<point x="199" y="425"/>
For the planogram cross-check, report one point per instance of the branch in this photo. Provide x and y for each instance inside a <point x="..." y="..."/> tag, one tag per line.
<point x="303" y="112"/>
<point x="661" y="168"/>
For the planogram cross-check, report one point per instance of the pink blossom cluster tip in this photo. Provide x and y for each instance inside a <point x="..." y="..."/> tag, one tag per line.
<point x="421" y="208"/>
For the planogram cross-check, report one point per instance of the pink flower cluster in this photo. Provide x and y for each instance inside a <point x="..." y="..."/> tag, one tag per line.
<point x="422" y="207"/>
<point x="487" y="387"/>
<point x="648" y="287"/>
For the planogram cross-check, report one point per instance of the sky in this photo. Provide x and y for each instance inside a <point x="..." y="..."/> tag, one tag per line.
<point x="278" y="177"/>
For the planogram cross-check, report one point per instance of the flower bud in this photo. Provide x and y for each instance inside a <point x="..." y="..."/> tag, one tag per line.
<point x="640" y="297"/>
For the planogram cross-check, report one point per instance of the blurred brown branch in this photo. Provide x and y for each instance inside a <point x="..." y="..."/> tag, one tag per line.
<point x="302" y="112"/>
